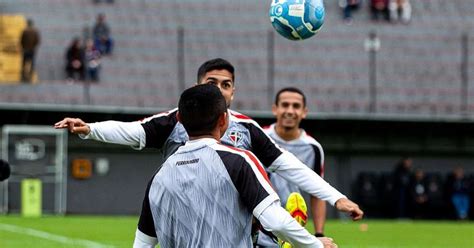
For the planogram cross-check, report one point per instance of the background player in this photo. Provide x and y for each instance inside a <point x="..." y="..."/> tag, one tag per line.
<point x="290" y="109"/>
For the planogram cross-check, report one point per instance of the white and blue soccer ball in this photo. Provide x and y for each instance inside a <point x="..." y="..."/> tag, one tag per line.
<point x="297" y="19"/>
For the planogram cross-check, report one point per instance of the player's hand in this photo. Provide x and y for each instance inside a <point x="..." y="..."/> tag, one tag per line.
<point x="75" y="125"/>
<point x="327" y="242"/>
<point x="350" y="207"/>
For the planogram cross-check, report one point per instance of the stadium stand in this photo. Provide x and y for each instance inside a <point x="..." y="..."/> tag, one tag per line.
<point x="11" y="27"/>
<point x="418" y="65"/>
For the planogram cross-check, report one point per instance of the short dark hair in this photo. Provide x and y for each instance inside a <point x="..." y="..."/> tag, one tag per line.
<point x="214" y="64"/>
<point x="200" y="108"/>
<point x="290" y="89"/>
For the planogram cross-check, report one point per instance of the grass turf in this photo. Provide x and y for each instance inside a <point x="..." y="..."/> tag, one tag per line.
<point x="118" y="231"/>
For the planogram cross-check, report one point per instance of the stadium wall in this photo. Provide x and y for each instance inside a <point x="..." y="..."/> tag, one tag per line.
<point x="351" y="147"/>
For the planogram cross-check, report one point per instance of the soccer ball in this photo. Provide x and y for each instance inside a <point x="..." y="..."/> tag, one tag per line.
<point x="297" y="19"/>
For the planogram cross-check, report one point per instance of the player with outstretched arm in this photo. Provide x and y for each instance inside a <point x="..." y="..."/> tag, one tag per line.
<point x="163" y="131"/>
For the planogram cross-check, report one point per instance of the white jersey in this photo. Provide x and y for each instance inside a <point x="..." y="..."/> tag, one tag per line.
<point x="306" y="149"/>
<point x="204" y="195"/>
<point x="164" y="132"/>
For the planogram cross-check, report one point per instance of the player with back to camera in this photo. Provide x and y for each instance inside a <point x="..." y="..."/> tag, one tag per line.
<point x="205" y="194"/>
<point x="163" y="131"/>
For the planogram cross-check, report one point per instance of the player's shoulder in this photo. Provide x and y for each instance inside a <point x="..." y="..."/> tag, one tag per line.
<point x="164" y="114"/>
<point x="234" y="153"/>
<point x="239" y="117"/>
<point x="269" y="129"/>
<point x="309" y="139"/>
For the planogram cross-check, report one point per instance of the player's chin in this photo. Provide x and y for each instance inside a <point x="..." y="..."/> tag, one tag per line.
<point x="289" y="123"/>
<point x="289" y="127"/>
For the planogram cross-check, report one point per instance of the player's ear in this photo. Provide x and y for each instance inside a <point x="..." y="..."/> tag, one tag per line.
<point x="274" y="109"/>
<point x="223" y="122"/>
<point x="178" y="116"/>
<point x="233" y="93"/>
<point x="305" y="112"/>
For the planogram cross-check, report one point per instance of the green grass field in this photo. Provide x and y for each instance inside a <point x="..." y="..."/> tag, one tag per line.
<point x="118" y="231"/>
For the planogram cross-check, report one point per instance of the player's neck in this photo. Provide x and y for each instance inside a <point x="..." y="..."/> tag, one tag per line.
<point x="204" y="136"/>
<point x="287" y="134"/>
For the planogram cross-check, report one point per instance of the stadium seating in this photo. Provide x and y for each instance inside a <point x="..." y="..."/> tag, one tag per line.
<point x="11" y="27"/>
<point x="418" y="71"/>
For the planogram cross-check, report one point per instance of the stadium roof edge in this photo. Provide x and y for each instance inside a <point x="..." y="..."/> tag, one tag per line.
<point x="256" y="114"/>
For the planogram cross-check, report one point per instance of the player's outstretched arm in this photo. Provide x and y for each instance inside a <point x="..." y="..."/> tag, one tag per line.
<point x="116" y="132"/>
<point x="288" y="166"/>
<point x="348" y="206"/>
<point x="278" y="221"/>
<point x="74" y="125"/>
<point x="293" y="170"/>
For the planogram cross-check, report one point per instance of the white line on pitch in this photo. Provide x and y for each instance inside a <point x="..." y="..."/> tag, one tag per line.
<point x="50" y="236"/>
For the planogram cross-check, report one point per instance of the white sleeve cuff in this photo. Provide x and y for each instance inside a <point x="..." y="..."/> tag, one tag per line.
<point x="277" y="220"/>
<point x="144" y="241"/>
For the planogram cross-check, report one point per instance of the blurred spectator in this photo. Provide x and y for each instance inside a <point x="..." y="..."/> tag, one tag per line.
<point x="419" y="197"/>
<point x="458" y="190"/>
<point x="401" y="176"/>
<point x="347" y="7"/>
<point x="101" y="35"/>
<point x="92" y="61"/>
<point x="379" y="9"/>
<point x="30" y="40"/>
<point x="75" y="61"/>
<point x="436" y="201"/>
<point x="400" y="10"/>
<point x="86" y="34"/>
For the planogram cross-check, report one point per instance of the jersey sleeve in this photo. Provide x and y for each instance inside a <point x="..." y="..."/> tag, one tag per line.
<point x="146" y="224"/>
<point x="318" y="160"/>
<point x="263" y="146"/>
<point x="250" y="180"/>
<point x="116" y="132"/>
<point x="278" y="221"/>
<point x="293" y="170"/>
<point x="158" y="128"/>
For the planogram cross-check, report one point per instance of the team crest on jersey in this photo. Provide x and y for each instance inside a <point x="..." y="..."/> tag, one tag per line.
<point x="235" y="136"/>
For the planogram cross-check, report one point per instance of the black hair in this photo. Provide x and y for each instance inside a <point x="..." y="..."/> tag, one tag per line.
<point x="214" y="64"/>
<point x="290" y="89"/>
<point x="200" y="108"/>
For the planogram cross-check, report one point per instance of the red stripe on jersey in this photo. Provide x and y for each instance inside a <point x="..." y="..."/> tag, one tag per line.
<point x="322" y="171"/>
<point x="255" y="161"/>
<point x="161" y="113"/>
<point x="241" y="116"/>
<point x="259" y="166"/>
